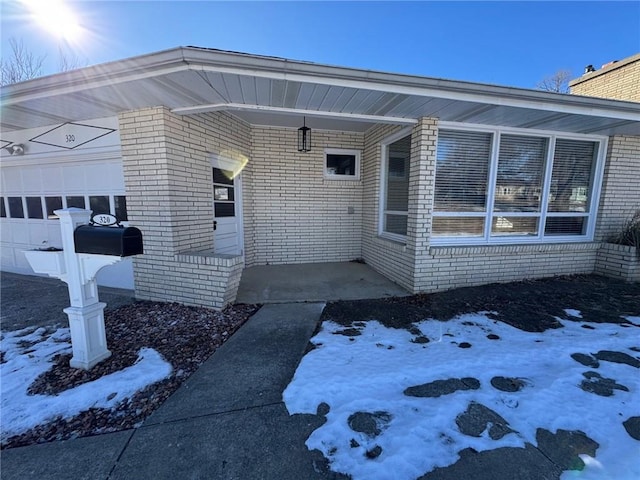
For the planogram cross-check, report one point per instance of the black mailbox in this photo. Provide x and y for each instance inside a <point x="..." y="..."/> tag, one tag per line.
<point x="118" y="241"/>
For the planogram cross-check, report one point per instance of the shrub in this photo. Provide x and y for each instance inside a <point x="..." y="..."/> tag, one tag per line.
<point x="630" y="233"/>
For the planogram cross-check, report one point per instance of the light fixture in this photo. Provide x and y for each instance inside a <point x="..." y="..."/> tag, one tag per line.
<point x="304" y="137"/>
<point x="16" y="149"/>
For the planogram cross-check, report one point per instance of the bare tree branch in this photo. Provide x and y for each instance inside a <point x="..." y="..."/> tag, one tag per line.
<point x="69" y="61"/>
<point x="558" y="82"/>
<point x="21" y="65"/>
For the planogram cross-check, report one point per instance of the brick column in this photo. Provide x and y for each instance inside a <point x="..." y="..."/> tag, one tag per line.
<point x="421" y="194"/>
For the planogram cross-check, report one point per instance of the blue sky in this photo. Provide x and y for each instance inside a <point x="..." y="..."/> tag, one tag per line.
<point x="507" y="43"/>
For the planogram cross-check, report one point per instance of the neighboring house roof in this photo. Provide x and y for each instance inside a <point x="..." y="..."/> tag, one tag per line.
<point x="276" y="91"/>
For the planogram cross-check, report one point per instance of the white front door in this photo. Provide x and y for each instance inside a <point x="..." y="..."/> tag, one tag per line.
<point x="227" y="211"/>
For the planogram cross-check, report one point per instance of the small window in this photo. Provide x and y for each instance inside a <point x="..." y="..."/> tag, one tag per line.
<point x="34" y="207"/>
<point x="121" y="207"/>
<point x="16" y="210"/>
<point x="3" y="209"/>
<point x="52" y="204"/>
<point x="341" y="164"/>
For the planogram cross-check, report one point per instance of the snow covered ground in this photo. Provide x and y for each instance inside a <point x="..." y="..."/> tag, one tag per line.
<point x="411" y="435"/>
<point x="29" y="353"/>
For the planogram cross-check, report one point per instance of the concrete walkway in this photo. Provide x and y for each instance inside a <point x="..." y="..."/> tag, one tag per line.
<point x="314" y="282"/>
<point x="227" y="421"/>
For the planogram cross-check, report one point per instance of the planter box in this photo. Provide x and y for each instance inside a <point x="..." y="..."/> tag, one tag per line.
<point x="49" y="262"/>
<point x="618" y="261"/>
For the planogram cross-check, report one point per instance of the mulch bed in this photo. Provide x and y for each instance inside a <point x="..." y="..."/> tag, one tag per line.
<point x="184" y="336"/>
<point x="530" y="305"/>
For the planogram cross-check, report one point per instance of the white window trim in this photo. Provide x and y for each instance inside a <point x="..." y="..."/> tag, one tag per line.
<point x="487" y="239"/>
<point x="342" y="151"/>
<point x="384" y="165"/>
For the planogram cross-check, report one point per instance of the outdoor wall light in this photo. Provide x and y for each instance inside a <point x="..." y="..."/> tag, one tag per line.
<point x="304" y="137"/>
<point x="16" y="149"/>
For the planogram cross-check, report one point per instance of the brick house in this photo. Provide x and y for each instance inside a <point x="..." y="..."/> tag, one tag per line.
<point x="436" y="184"/>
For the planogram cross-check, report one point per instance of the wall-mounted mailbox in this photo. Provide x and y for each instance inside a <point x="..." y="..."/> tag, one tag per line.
<point x="117" y="241"/>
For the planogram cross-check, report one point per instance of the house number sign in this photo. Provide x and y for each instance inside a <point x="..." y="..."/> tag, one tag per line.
<point x="104" y="219"/>
<point x="71" y="135"/>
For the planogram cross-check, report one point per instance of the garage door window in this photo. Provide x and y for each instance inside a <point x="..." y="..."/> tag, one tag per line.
<point x="52" y="204"/>
<point x="34" y="207"/>
<point x="99" y="204"/>
<point x="16" y="210"/>
<point x="77" y="202"/>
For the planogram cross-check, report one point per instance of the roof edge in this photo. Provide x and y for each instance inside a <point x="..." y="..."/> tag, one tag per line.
<point x="604" y="70"/>
<point x="196" y="58"/>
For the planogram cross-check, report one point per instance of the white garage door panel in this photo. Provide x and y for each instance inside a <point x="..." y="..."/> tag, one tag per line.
<point x="38" y="234"/>
<point x="119" y="275"/>
<point x="73" y="178"/>
<point x="97" y="176"/>
<point x="52" y="179"/>
<point x="11" y="181"/>
<point x="5" y="231"/>
<point x="54" y="235"/>
<point x="19" y="233"/>
<point x="31" y="181"/>
<point x="59" y="175"/>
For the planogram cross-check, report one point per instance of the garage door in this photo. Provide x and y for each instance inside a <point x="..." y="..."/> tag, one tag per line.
<point x="32" y="191"/>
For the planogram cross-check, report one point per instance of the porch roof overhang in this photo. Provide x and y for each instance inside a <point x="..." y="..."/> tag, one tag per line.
<point x="277" y="92"/>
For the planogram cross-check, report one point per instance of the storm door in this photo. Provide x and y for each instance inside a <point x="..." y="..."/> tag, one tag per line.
<point x="227" y="212"/>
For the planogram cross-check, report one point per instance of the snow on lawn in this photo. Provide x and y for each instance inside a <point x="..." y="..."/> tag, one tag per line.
<point x="370" y="372"/>
<point x="27" y="354"/>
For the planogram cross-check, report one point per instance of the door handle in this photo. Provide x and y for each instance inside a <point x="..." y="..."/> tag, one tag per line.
<point x="215" y="224"/>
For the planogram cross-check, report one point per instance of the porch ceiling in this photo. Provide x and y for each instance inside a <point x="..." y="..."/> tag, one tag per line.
<point x="277" y="92"/>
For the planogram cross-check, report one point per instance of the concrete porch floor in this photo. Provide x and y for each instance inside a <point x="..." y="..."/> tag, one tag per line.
<point x="313" y="282"/>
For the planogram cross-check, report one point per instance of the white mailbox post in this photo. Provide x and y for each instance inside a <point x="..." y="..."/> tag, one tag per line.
<point x="78" y="271"/>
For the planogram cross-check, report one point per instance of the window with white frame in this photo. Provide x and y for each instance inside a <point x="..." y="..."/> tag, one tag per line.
<point x="395" y="188"/>
<point x="502" y="187"/>
<point x="341" y="164"/>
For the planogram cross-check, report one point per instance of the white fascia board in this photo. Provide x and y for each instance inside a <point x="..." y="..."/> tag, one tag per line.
<point x="500" y="96"/>
<point x="88" y="78"/>
<point x="295" y="111"/>
<point x="307" y="72"/>
<point x="181" y="59"/>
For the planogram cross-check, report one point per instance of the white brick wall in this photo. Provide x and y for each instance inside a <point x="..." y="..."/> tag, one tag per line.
<point x="292" y="213"/>
<point x="392" y="259"/>
<point x="618" y="261"/>
<point x="620" y="196"/>
<point x="167" y="170"/>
